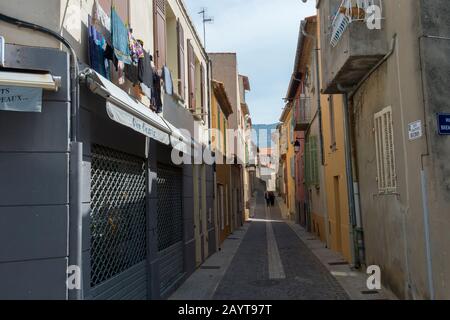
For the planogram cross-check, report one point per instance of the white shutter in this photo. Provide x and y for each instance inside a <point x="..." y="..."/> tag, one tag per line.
<point x="385" y="151"/>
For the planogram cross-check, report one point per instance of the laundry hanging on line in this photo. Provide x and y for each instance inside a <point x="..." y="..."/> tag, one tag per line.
<point x="97" y="52"/>
<point x="120" y="41"/>
<point x="101" y="21"/>
<point x="167" y="78"/>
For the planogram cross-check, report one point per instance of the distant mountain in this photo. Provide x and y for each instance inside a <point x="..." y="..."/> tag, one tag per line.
<point x="262" y="134"/>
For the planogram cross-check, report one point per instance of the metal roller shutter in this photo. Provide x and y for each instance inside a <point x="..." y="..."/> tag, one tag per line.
<point x="118" y="225"/>
<point x="170" y="227"/>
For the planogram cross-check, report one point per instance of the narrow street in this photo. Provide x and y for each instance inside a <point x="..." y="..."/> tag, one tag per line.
<point x="271" y="263"/>
<point x="140" y="142"/>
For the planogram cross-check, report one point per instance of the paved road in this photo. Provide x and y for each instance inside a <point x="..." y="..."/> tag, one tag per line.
<point x="272" y="263"/>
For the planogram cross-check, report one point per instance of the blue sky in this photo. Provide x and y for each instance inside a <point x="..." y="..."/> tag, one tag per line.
<point x="264" y="34"/>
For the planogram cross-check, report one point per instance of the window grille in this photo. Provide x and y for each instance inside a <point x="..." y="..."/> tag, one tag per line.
<point x="385" y="151"/>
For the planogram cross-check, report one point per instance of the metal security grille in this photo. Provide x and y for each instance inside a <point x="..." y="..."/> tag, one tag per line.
<point x="118" y="213"/>
<point x="170" y="207"/>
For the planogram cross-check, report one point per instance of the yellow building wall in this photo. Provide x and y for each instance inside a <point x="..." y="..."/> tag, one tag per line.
<point x="336" y="178"/>
<point x="223" y="171"/>
<point x="318" y="226"/>
<point x="335" y="174"/>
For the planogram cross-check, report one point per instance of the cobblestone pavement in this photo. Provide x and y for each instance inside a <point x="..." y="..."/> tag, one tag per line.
<point x="273" y="264"/>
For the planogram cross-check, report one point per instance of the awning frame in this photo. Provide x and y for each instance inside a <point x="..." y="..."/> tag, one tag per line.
<point x="45" y="81"/>
<point x="98" y="85"/>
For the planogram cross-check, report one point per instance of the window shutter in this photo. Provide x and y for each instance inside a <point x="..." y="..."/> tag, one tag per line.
<point x="106" y="5"/>
<point x="307" y="163"/>
<point x="202" y="90"/>
<point x="315" y="162"/>
<point x="181" y="63"/>
<point x="122" y="10"/>
<point x="191" y="77"/>
<point x="159" y="8"/>
<point x="385" y="151"/>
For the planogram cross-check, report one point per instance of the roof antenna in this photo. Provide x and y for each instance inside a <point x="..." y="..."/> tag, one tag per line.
<point x="205" y="20"/>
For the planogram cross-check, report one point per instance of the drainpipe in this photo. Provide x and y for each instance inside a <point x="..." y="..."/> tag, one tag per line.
<point x="76" y="150"/>
<point x="356" y="259"/>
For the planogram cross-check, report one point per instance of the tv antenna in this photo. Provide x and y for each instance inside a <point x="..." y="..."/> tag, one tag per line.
<point x="205" y="20"/>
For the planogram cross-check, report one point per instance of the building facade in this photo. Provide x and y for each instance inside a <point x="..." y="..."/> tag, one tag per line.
<point x="225" y="70"/>
<point x="220" y="112"/>
<point x="391" y="67"/>
<point x="287" y="160"/>
<point x="114" y="206"/>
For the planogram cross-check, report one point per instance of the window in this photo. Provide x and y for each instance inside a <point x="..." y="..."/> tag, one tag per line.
<point x="293" y="167"/>
<point x="311" y="162"/>
<point x="385" y="151"/>
<point x="219" y="127"/>
<point x="225" y="127"/>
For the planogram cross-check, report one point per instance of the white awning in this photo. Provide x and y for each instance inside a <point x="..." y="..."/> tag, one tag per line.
<point x="30" y="80"/>
<point x="131" y="113"/>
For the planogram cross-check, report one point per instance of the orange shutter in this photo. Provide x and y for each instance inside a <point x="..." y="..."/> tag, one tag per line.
<point x="202" y="89"/>
<point x="191" y="76"/>
<point x="159" y="8"/>
<point x="106" y="5"/>
<point x="181" y="64"/>
<point x="121" y="7"/>
<point x="122" y="10"/>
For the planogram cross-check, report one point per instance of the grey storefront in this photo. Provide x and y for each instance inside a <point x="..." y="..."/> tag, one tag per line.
<point x="111" y="202"/>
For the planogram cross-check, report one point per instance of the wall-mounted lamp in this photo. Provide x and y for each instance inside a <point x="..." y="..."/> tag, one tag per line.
<point x="297" y="146"/>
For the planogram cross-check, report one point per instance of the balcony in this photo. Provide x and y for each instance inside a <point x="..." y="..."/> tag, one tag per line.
<point x="354" y="42"/>
<point x="303" y="114"/>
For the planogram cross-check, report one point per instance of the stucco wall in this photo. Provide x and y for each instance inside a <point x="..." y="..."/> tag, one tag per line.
<point x="435" y="20"/>
<point x="393" y="224"/>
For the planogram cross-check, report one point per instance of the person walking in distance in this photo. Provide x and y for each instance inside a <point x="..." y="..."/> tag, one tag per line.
<point x="267" y="197"/>
<point x="272" y="198"/>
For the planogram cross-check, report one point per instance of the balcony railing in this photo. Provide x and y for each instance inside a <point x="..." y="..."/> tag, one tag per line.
<point x="350" y="11"/>
<point x="303" y="113"/>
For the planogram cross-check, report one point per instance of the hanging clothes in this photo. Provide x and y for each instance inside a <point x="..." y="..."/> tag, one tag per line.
<point x="120" y="38"/>
<point x="157" y="96"/>
<point x="145" y="74"/>
<point x="136" y="53"/>
<point x="97" y="46"/>
<point x="101" y="21"/>
<point x="136" y="49"/>
<point x="167" y="78"/>
<point x="146" y="91"/>
<point x="131" y="73"/>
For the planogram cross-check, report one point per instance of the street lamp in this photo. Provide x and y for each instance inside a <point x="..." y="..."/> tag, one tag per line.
<point x="297" y="146"/>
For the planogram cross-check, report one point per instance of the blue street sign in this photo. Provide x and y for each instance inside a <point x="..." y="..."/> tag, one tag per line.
<point x="444" y="123"/>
